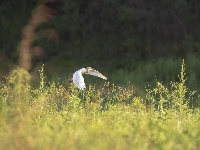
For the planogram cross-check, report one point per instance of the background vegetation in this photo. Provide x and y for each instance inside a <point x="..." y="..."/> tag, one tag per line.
<point x="137" y="39"/>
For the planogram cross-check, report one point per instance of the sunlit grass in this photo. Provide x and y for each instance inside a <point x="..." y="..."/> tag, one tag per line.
<point x="55" y="116"/>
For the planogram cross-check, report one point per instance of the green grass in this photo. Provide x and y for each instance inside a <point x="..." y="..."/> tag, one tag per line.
<point x="57" y="116"/>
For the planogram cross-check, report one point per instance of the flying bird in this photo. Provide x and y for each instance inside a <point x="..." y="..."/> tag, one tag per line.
<point x="78" y="79"/>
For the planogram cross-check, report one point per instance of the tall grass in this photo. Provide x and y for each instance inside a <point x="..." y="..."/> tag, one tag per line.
<point x="56" y="116"/>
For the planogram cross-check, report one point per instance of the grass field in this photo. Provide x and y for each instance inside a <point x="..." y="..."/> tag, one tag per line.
<point x="57" y="116"/>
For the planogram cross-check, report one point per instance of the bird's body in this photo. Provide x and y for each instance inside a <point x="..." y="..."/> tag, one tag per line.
<point x="78" y="79"/>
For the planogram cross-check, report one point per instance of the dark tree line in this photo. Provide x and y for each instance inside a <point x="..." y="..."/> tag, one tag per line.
<point x="121" y="30"/>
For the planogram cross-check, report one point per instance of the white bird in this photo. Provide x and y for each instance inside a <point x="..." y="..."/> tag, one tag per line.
<point x="78" y="79"/>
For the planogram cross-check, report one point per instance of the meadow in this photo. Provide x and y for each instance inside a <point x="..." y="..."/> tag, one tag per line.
<point x="150" y="101"/>
<point x="52" y="115"/>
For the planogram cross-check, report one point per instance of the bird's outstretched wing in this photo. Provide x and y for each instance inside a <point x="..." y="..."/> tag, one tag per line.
<point x="92" y="71"/>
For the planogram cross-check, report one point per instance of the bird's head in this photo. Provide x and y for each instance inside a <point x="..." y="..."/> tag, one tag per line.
<point x="70" y="80"/>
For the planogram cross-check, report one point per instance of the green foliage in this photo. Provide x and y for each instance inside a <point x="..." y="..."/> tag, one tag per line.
<point x="113" y="32"/>
<point x="177" y="97"/>
<point x="112" y="117"/>
<point x="165" y="70"/>
<point x="122" y="35"/>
